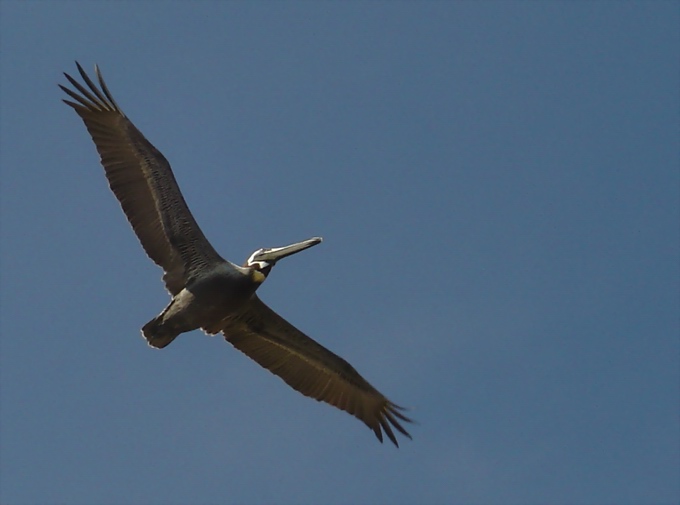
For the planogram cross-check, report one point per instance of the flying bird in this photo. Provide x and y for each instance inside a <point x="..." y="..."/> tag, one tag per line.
<point x="209" y="292"/>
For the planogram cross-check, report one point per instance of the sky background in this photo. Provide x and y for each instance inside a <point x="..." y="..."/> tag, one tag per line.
<point x="497" y="185"/>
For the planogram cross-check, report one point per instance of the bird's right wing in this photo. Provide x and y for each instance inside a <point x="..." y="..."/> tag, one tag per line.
<point x="142" y="180"/>
<point x="310" y="368"/>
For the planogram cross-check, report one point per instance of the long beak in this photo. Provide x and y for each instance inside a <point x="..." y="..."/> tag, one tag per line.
<point x="276" y="253"/>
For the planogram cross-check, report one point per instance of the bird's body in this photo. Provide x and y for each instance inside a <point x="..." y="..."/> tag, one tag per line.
<point x="209" y="292"/>
<point x="205" y="301"/>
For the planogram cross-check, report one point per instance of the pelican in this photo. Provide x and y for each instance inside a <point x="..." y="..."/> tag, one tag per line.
<point x="209" y="292"/>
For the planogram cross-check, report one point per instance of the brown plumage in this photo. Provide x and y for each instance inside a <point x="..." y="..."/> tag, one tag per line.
<point x="207" y="291"/>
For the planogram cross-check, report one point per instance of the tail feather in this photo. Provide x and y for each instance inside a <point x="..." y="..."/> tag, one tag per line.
<point x="156" y="334"/>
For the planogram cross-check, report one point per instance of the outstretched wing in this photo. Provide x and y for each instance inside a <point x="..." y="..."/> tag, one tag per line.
<point x="310" y="368"/>
<point x="142" y="180"/>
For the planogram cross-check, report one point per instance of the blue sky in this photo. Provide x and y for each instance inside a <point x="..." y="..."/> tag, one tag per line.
<point x="497" y="186"/>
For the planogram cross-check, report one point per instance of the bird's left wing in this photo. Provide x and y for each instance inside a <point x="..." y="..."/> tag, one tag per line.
<point x="142" y="180"/>
<point x="309" y="368"/>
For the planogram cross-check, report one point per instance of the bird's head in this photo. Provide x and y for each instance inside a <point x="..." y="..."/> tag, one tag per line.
<point x="262" y="260"/>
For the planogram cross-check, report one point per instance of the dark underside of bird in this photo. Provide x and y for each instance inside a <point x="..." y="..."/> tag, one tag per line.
<point x="209" y="292"/>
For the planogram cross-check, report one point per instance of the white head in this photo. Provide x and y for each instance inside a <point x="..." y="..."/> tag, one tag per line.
<point x="264" y="259"/>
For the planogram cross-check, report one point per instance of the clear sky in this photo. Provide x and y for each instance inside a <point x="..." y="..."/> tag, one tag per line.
<point x="497" y="185"/>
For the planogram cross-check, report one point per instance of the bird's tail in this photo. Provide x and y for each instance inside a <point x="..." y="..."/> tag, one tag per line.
<point x="158" y="335"/>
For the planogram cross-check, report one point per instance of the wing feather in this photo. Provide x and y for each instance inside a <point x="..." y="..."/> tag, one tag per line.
<point x="310" y="368"/>
<point x="142" y="180"/>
